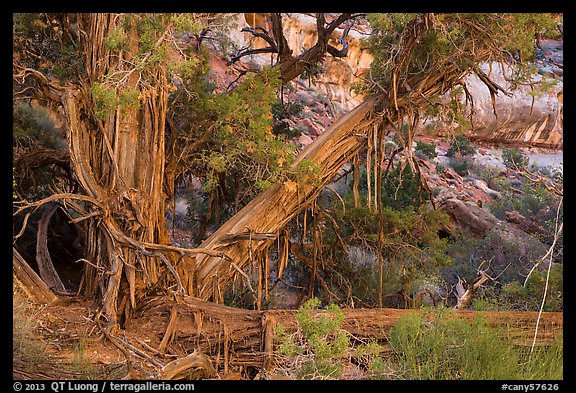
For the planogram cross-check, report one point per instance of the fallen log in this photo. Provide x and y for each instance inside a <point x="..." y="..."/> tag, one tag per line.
<point x="239" y="338"/>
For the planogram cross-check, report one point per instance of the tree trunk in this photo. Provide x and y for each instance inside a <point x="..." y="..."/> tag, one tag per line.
<point x="235" y="337"/>
<point x="119" y="161"/>
<point x="45" y="266"/>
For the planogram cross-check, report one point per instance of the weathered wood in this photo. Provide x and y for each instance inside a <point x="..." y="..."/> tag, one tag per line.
<point x="274" y="208"/>
<point x="170" y="330"/>
<point x="192" y="363"/>
<point x="249" y="334"/>
<point x="32" y="284"/>
<point x="43" y="259"/>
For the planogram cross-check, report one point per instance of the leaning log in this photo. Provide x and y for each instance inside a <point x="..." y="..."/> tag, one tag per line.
<point x="239" y="338"/>
<point x="30" y="282"/>
<point x="273" y="209"/>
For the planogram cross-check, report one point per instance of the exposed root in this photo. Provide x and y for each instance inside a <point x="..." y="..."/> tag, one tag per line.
<point x="193" y="366"/>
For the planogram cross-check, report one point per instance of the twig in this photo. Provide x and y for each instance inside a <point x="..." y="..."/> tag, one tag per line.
<point x="550" y="252"/>
<point x="243" y="275"/>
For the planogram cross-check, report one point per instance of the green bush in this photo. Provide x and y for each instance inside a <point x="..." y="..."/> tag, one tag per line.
<point x="282" y="111"/>
<point x="402" y="188"/>
<point x="33" y="124"/>
<point x="429" y="149"/>
<point x="460" y="166"/>
<point x="514" y="296"/>
<point x="514" y="159"/>
<point x="532" y="200"/>
<point x="320" y="348"/>
<point x="447" y="347"/>
<point x="319" y="341"/>
<point x="105" y="100"/>
<point x="460" y="146"/>
<point x="411" y="249"/>
<point x="469" y="252"/>
<point x="116" y="39"/>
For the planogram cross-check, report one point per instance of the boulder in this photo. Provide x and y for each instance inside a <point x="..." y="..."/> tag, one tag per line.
<point x="484" y="187"/>
<point x="526" y="224"/>
<point x="304" y="140"/>
<point x="468" y="217"/>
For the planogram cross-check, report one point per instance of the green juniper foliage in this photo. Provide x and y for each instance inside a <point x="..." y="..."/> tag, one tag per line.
<point x="460" y="38"/>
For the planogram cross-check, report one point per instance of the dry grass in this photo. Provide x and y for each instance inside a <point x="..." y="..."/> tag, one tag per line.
<point x="28" y="346"/>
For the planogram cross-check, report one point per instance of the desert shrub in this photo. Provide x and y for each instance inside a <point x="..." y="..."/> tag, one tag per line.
<point x="446" y="347"/>
<point x="514" y="159"/>
<point x="485" y="303"/>
<point x="460" y="146"/>
<point x="460" y="166"/>
<point x="489" y="174"/>
<point x="33" y="124"/>
<point x="411" y="248"/>
<point x="429" y="149"/>
<point x="320" y="348"/>
<point x="530" y="200"/>
<point x="282" y="111"/>
<point x="469" y="252"/>
<point x="319" y="341"/>
<point x="401" y="189"/>
<point x="515" y="296"/>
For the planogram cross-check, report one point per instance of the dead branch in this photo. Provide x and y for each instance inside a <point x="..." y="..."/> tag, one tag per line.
<point x="465" y="292"/>
<point x="170" y="330"/>
<point x="292" y="66"/>
<point x="264" y="35"/>
<point x="128" y="350"/>
<point x="46" y="88"/>
<point x="45" y="265"/>
<point x="39" y="156"/>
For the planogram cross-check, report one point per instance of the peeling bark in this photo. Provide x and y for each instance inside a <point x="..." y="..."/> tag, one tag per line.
<point x="274" y="208"/>
<point x="120" y="161"/>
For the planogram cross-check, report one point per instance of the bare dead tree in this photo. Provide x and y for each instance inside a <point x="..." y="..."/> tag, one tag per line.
<point x="293" y="65"/>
